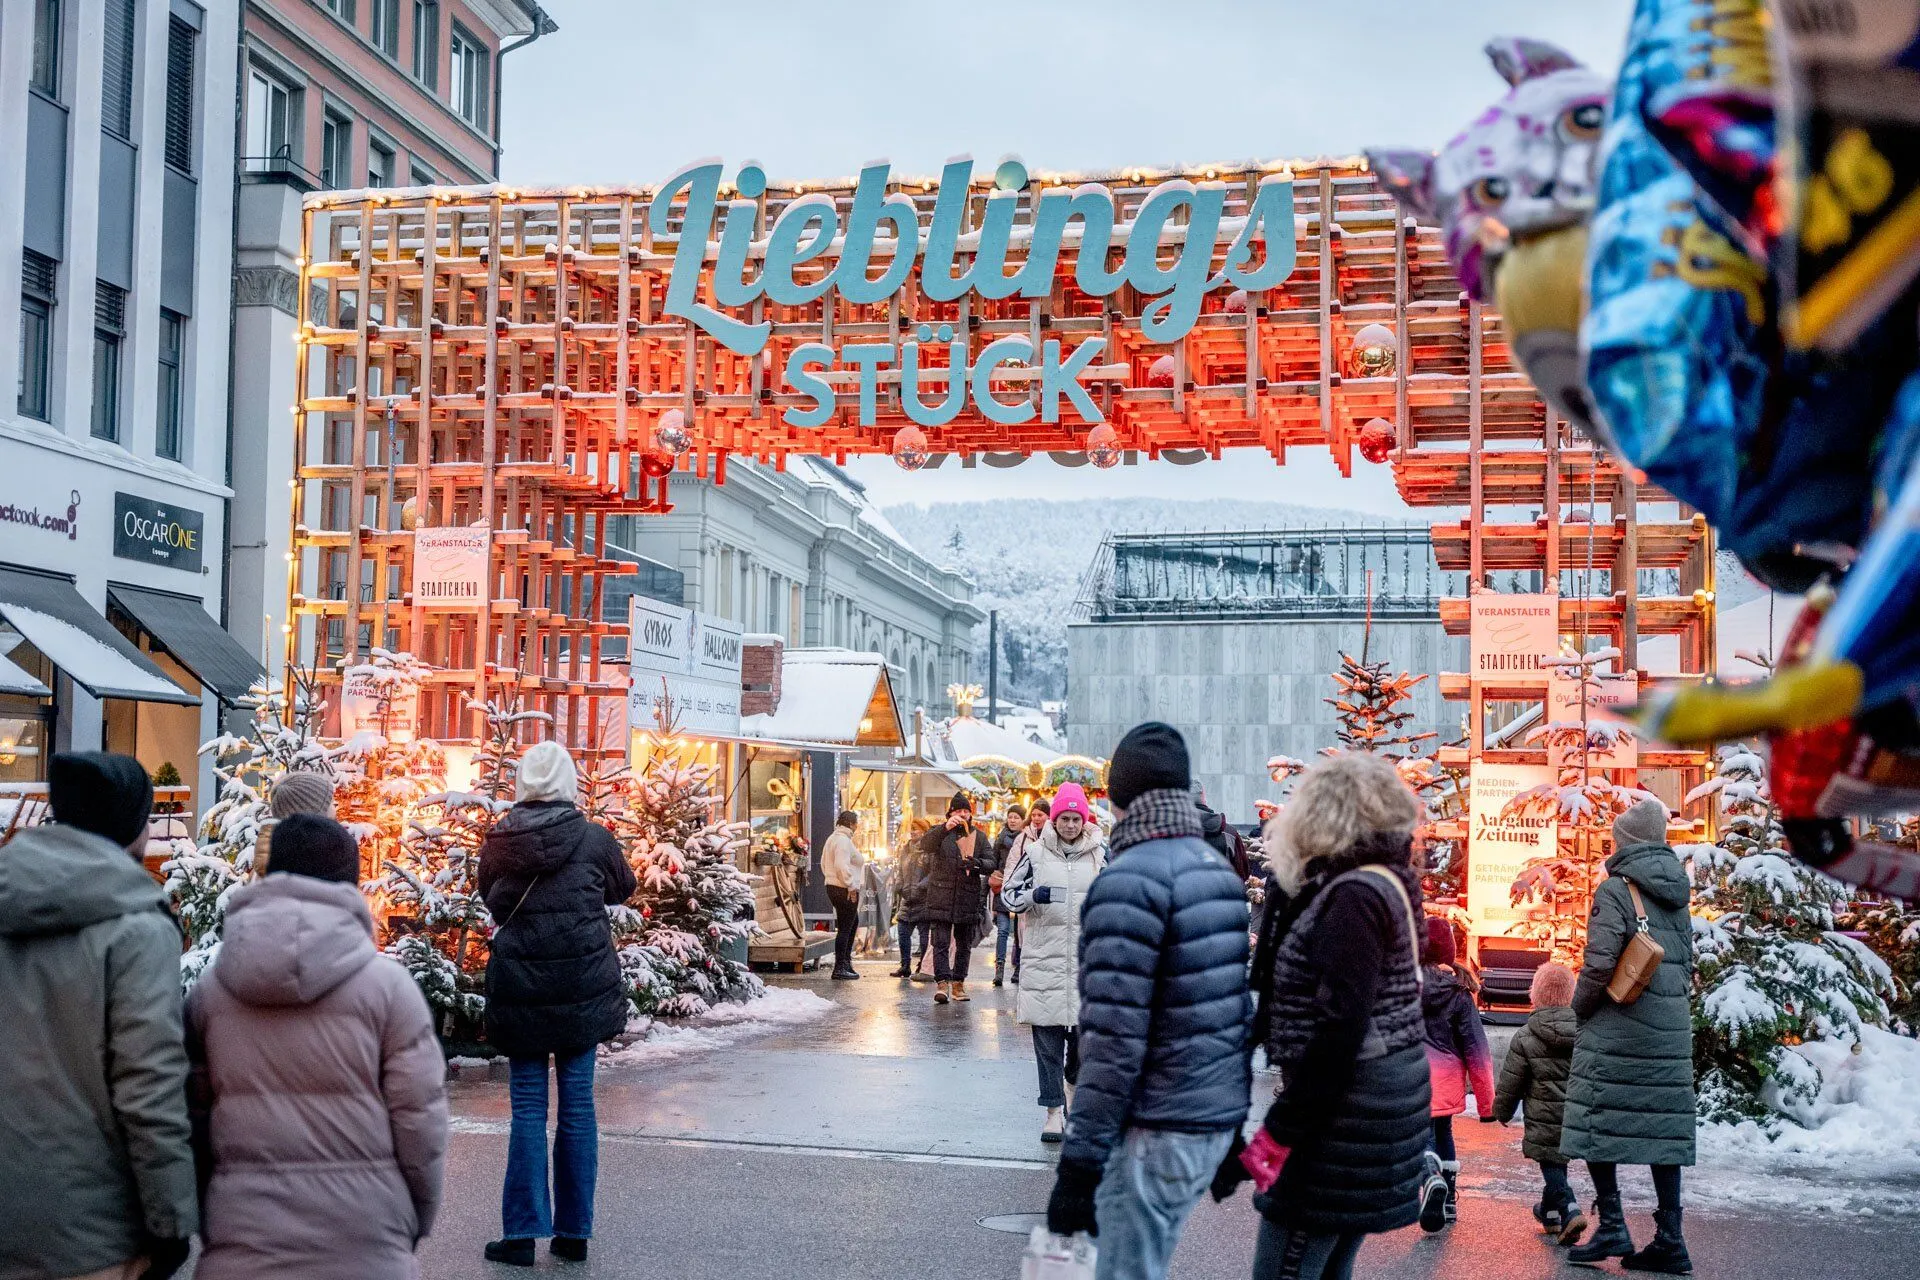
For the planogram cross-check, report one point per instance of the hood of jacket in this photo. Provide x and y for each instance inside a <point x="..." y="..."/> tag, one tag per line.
<point x="1437" y="986"/>
<point x="1089" y="841"/>
<point x="1556" y="1026"/>
<point x="291" y="939"/>
<point x="1212" y="821"/>
<point x="1656" y="869"/>
<point x="537" y="838"/>
<point x="56" y="879"/>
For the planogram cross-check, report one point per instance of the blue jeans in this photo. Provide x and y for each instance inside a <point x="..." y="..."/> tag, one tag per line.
<point x="526" y="1212"/>
<point x="1003" y="932"/>
<point x="1153" y="1179"/>
<point x="1057" y="1052"/>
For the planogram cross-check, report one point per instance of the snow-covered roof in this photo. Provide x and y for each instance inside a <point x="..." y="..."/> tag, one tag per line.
<point x="832" y="697"/>
<point x="970" y="739"/>
<point x="820" y="471"/>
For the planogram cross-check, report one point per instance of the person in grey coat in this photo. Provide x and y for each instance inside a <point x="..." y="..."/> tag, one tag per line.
<point x="1630" y="1095"/>
<point x="1164" y="1014"/>
<point x="95" y="1143"/>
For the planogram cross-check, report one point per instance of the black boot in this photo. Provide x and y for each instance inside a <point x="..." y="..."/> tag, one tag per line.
<point x="999" y="975"/>
<point x="1610" y="1238"/>
<point x="1668" y="1252"/>
<point x="1452" y="1175"/>
<point x="569" y="1248"/>
<point x="515" y="1253"/>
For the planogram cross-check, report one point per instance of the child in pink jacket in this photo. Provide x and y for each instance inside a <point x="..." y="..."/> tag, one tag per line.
<point x="1457" y="1053"/>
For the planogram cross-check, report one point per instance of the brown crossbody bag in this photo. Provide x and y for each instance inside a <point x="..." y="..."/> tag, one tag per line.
<point x="1638" y="959"/>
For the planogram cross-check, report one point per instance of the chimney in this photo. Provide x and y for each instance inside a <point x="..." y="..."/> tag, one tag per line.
<point x="760" y="658"/>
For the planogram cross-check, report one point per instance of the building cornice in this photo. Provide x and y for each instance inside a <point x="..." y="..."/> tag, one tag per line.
<point x="112" y="456"/>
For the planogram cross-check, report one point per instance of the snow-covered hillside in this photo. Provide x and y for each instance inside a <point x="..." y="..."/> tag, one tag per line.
<point x="1028" y="559"/>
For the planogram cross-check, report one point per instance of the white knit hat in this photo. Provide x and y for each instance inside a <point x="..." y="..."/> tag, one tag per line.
<point x="546" y="773"/>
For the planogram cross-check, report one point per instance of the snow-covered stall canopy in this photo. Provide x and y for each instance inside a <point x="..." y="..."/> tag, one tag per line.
<point x="833" y="698"/>
<point x="974" y="740"/>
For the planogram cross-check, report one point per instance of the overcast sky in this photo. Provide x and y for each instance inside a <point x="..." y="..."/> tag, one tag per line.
<point x="630" y="90"/>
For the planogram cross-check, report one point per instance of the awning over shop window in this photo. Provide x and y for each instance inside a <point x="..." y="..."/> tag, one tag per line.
<point x="76" y="639"/>
<point x="181" y="626"/>
<point x="13" y="679"/>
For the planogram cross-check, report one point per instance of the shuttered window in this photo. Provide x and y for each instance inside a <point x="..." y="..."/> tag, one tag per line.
<point x="116" y="86"/>
<point x="109" y="327"/>
<point x="180" y="39"/>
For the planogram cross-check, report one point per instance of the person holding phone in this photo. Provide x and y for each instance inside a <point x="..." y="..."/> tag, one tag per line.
<point x="953" y="889"/>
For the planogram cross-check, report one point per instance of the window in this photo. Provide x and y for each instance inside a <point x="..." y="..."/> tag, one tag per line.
<point x="109" y="328"/>
<point x="467" y="81"/>
<point x="420" y="176"/>
<point x="167" y="432"/>
<point x="336" y="150"/>
<point x="341" y="9"/>
<point x="796" y="614"/>
<point x="379" y="164"/>
<point x="36" y="335"/>
<point x="46" y="47"/>
<point x="269" y="122"/>
<point x="180" y="95"/>
<point x="386" y="27"/>
<point x="426" y="42"/>
<point x="116" y="71"/>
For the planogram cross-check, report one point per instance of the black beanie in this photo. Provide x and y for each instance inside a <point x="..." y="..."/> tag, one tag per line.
<point x="307" y="844"/>
<point x="109" y="795"/>
<point x="1152" y="757"/>
<point x="960" y="800"/>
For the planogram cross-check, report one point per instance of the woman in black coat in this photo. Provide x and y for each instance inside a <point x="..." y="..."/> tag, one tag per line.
<point x="553" y="989"/>
<point x="953" y="894"/>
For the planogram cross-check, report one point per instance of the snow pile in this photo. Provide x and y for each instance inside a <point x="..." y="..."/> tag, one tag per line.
<point x="1859" y="1151"/>
<point x="718" y="1027"/>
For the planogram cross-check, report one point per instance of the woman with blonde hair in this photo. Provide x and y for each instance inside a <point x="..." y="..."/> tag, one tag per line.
<point x="1342" y="1153"/>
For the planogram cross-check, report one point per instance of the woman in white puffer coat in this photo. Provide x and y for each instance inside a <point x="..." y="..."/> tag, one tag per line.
<point x="1046" y="888"/>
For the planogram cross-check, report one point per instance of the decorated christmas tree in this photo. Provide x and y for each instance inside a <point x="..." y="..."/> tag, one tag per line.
<point x="385" y="771"/>
<point x="1770" y="969"/>
<point x="1368" y="707"/>
<point x="427" y="895"/>
<point x="694" y="904"/>
<point x="247" y="767"/>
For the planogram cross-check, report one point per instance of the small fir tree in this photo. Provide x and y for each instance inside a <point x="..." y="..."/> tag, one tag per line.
<point x="1771" y="970"/>
<point x="432" y="916"/>
<point x="246" y="767"/>
<point x="382" y="780"/>
<point x="1368" y="708"/>
<point x="693" y="900"/>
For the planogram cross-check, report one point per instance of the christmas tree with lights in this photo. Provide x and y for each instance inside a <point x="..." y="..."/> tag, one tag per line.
<point x="384" y="774"/>
<point x="679" y="935"/>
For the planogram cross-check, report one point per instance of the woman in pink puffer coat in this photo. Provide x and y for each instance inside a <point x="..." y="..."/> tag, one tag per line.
<point x="318" y="1088"/>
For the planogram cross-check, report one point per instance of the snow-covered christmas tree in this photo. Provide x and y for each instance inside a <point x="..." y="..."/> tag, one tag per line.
<point x="1770" y="968"/>
<point x="693" y="904"/>
<point x="247" y="767"/>
<point x="384" y="774"/>
<point x="427" y="897"/>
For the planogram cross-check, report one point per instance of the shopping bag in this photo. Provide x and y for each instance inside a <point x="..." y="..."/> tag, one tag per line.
<point x="1052" y="1257"/>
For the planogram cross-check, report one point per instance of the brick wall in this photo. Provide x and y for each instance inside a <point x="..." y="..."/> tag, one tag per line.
<point x="760" y="658"/>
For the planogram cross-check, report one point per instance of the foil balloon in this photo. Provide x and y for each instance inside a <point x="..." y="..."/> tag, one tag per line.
<point x="1511" y="194"/>
<point x="910" y="450"/>
<point x="671" y="434"/>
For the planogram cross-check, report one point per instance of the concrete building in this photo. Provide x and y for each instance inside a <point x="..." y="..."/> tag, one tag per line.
<point x="1233" y="638"/>
<point x="805" y="555"/>
<point x="337" y="94"/>
<point x="115" y="210"/>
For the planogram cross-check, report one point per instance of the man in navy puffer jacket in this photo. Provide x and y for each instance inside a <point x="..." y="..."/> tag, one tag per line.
<point x="1164" y="1018"/>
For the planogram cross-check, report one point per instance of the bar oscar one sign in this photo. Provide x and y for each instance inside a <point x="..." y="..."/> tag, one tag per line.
<point x="153" y="533"/>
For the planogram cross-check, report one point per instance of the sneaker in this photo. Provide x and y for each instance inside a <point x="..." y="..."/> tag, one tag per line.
<point x="1055" y="1128"/>
<point x="569" y="1248"/>
<point x="1433" y="1197"/>
<point x="1573" y="1225"/>
<point x="1549" y="1219"/>
<point x="514" y="1253"/>
<point x="1450" y="1170"/>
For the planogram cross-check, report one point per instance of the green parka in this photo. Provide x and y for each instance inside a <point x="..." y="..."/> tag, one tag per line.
<point x="1630" y="1097"/>
<point x="95" y="1145"/>
<point x="1535" y="1073"/>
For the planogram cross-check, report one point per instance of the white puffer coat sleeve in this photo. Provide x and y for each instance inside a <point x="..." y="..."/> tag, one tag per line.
<point x="1050" y="931"/>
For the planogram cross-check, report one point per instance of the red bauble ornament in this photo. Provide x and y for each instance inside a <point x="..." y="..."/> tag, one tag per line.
<point x="646" y="913"/>
<point x="1377" y="440"/>
<point x="656" y="465"/>
<point x="1103" y="446"/>
<point x="1160" y="372"/>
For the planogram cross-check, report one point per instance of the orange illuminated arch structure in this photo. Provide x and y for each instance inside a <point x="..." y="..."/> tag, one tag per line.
<point x="505" y="358"/>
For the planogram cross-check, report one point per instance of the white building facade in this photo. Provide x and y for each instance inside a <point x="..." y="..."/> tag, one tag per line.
<point x="116" y="209"/>
<point x="805" y="555"/>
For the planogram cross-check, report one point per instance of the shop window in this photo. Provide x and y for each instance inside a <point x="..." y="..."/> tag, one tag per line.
<point x="26" y="724"/>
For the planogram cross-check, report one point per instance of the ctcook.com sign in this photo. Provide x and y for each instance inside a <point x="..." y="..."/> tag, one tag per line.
<point x="153" y="534"/>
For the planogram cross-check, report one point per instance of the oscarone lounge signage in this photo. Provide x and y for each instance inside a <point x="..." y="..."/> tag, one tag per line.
<point x="1165" y="253"/>
<point x="153" y="533"/>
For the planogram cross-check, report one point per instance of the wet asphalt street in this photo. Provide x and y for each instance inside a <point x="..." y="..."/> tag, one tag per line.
<point x="871" y="1143"/>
